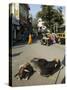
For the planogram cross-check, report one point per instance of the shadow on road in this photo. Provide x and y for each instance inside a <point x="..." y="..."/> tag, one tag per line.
<point x="63" y="81"/>
<point x="18" y="45"/>
<point x="16" y="54"/>
<point x="63" y="61"/>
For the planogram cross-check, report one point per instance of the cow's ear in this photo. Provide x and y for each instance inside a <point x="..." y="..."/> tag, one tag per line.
<point x="58" y="59"/>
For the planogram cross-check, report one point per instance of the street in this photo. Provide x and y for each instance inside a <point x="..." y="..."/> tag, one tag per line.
<point x="22" y="54"/>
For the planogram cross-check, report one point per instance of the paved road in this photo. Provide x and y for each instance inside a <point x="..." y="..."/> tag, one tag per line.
<point x="24" y="53"/>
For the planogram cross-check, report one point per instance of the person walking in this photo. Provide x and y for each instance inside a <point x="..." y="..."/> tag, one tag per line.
<point x="30" y="31"/>
<point x="30" y="39"/>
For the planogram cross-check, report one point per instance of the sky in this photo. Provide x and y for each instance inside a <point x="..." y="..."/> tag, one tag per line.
<point x="34" y="8"/>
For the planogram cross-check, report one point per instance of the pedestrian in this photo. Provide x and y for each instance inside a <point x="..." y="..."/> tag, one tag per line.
<point x="53" y="38"/>
<point x="30" y="31"/>
<point x="30" y="39"/>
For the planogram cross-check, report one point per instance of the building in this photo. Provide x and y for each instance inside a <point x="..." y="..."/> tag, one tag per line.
<point x="19" y="14"/>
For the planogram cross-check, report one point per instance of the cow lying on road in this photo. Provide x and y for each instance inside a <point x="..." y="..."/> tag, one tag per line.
<point x="25" y="71"/>
<point x="46" y="67"/>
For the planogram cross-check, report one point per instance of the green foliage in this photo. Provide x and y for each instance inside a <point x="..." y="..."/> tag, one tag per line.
<point x="34" y="23"/>
<point x="50" y="15"/>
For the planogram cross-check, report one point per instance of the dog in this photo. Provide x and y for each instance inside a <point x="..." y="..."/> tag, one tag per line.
<point x="25" y="71"/>
<point x="46" y="68"/>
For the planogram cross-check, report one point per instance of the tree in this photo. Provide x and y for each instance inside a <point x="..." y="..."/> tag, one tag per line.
<point x="34" y="24"/>
<point x="51" y="15"/>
